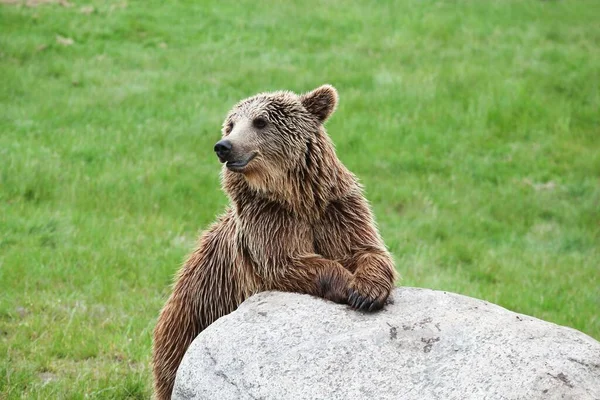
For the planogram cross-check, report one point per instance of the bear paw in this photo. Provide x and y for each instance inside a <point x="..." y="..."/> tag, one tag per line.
<point x="366" y="295"/>
<point x="334" y="287"/>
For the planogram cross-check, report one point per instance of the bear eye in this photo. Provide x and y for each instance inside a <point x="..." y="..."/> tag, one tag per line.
<point x="229" y="127"/>
<point x="259" y="123"/>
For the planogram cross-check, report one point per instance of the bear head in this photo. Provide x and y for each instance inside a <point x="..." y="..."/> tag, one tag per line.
<point x="275" y="144"/>
<point x="269" y="133"/>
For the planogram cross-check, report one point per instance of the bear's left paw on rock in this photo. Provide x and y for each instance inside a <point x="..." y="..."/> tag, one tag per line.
<point x="366" y="295"/>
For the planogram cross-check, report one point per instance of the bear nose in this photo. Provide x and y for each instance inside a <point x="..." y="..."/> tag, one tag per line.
<point x="223" y="148"/>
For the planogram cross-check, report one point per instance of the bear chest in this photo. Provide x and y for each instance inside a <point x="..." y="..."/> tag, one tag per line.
<point x="270" y="237"/>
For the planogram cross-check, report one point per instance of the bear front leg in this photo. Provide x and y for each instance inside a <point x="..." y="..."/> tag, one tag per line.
<point x="317" y="276"/>
<point x="373" y="280"/>
<point x="206" y="289"/>
<point x="348" y="232"/>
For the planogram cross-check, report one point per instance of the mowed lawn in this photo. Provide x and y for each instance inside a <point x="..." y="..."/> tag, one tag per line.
<point x="474" y="126"/>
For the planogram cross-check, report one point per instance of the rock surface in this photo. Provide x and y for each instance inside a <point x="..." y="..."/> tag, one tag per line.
<point x="426" y="345"/>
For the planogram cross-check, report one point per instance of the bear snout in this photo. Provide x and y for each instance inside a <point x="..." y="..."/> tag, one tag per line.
<point x="236" y="159"/>
<point x="223" y="149"/>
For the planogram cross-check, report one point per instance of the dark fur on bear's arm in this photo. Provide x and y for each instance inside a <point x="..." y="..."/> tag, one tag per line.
<point x="205" y="290"/>
<point x="348" y="233"/>
<point x="315" y="275"/>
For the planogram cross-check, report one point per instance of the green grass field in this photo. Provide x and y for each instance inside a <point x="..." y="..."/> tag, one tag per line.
<point x="474" y="126"/>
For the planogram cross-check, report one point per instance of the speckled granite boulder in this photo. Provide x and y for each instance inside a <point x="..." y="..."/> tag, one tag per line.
<point x="426" y="345"/>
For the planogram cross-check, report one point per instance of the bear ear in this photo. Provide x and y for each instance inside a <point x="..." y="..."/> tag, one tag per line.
<point x="320" y="102"/>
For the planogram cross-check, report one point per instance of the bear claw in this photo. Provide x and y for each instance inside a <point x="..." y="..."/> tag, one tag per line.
<point x="363" y="303"/>
<point x="376" y="305"/>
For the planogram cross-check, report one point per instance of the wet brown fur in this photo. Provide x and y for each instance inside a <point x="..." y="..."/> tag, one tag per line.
<point x="298" y="221"/>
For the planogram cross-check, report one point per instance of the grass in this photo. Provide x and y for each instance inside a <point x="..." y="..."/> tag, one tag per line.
<point x="473" y="125"/>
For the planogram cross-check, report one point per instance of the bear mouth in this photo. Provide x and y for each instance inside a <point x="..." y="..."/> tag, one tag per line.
<point x="238" y="166"/>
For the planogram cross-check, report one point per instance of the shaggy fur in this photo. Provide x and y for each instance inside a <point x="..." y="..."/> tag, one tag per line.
<point x="298" y="221"/>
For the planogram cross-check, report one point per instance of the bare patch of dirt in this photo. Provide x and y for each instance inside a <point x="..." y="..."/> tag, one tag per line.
<point x="65" y="41"/>
<point x="47" y="377"/>
<point x="87" y="10"/>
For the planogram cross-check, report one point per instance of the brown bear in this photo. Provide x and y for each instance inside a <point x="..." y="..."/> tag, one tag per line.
<point x="298" y="221"/>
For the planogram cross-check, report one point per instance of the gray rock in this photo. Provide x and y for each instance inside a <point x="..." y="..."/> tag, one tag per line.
<point x="426" y="345"/>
